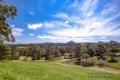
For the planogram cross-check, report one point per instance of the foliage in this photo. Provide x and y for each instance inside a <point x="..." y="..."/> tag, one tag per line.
<point x="14" y="53"/>
<point x="101" y="50"/>
<point x="5" y="29"/>
<point x="34" y="52"/>
<point x="113" y="51"/>
<point x="5" y="13"/>
<point x="101" y="63"/>
<point x="4" y="52"/>
<point x="87" y="62"/>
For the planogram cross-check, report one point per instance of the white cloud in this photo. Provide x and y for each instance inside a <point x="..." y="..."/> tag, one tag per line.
<point x="51" y="38"/>
<point x="31" y="13"/>
<point x="56" y="24"/>
<point x="103" y="37"/>
<point x="66" y="22"/>
<point x="74" y="5"/>
<point x="35" y="26"/>
<point x="63" y="16"/>
<point x="81" y="29"/>
<point x="48" y="37"/>
<point x="17" y="31"/>
<point x="31" y="34"/>
<point x="111" y="8"/>
<point x="87" y="7"/>
<point x="12" y="26"/>
<point x="87" y="31"/>
<point x="49" y="25"/>
<point x="110" y="19"/>
<point x="83" y="26"/>
<point x="88" y="27"/>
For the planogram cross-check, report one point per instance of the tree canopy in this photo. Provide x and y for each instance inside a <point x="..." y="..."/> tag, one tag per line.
<point x="6" y="12"/>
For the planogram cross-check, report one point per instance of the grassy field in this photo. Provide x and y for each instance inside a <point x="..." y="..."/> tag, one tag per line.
<point x="108" y="64"/>
<point x="43" y="70"/>
<point x="114" y="65"/>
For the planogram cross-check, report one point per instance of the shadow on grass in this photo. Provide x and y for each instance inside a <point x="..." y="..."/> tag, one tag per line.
<point x="6" y="76"/>
<point x="2" y="61"/>
<point x="113" y="61"/>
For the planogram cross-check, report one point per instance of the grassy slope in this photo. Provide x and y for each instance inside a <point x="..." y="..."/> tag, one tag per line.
<point x="114" y="65"/>
<point x="111" y="65"/>
<point x="40" y="70"/>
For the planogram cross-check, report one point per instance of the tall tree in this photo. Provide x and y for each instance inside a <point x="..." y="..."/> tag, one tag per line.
<point x="6" y="12"/>
<point x="101" y="50"/>
<point x="14" y="52"/>
<point x="5" y="29"/>
<point x="90" y="50"/>
<point x="34" y="52"/>
<point x="78" y="50"/>
<point x="4" y="52"/>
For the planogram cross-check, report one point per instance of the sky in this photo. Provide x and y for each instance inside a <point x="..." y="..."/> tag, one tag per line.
<point x="61" y="21"/>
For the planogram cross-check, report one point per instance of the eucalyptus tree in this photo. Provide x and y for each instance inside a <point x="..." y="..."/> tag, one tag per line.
<point x="6" y="12"/>
<point x="101" y="50"/>
<point x="34" y="52"/>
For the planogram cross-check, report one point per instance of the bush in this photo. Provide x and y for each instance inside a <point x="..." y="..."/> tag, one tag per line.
<point x="29" y="59"/>
<point x="86" y="62"/>
<point x="101" y="57"/>
<point x="85" y="56"/>
<point x="101" y="63"/>
<point x="24" y="58"/>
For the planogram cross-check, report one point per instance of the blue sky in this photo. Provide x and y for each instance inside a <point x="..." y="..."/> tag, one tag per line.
<point x="39" y="21"/>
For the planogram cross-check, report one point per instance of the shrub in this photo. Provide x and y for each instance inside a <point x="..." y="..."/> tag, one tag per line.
<point x="101" y="63"/>
<point x="87" y="62"/>
<point x="29" y="59"/>
<point x="103" y="57"/>
<point x="23" y="58"/>
<point x="85" y="56"/>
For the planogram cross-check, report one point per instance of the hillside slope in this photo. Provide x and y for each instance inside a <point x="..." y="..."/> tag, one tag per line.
<point x="41" y="70"/>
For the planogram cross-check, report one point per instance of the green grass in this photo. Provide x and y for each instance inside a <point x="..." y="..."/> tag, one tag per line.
<point x="43" y="70"/>
<point x="108" y="64"/>
<point x="113" y="65"/>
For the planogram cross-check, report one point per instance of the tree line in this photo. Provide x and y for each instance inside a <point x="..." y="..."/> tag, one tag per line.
<point x="54" y="51"/>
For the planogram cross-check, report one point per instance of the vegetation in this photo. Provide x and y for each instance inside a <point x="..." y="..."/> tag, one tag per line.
<point x="44" y="70"/>
<point x="5" y="13"/>
<point x="4" y="52"/>
<point x="81" y="53"/>
<point x="5" y="29"/>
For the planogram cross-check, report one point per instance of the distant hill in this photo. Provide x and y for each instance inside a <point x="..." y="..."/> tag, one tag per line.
<point x="71" y="42"/>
